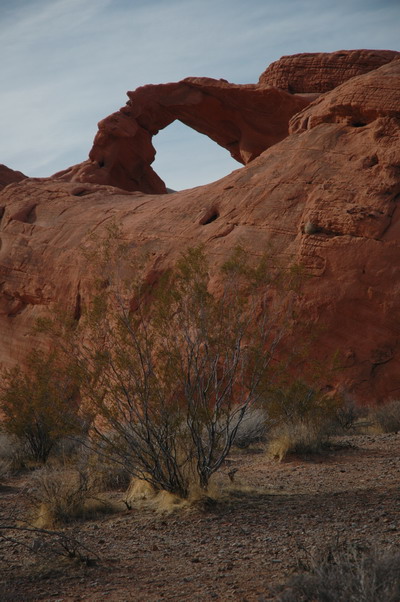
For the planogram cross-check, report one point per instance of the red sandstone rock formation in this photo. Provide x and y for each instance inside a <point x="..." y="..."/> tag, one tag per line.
<point x="326" y="196"/>
<point x="7" y="176"/>
<point x="323" y="71"/>
<point x="357" y="102"/>
<point x="244" y="119"/>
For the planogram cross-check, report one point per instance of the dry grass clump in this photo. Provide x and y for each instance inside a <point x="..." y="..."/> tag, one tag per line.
<point x="387" y="417"/>
<point x="302" y="419"/>
<point x="252" y="429"/>
<point x="300" y="438"/>
<point x="5" y="456"/>
<point x="13" y="455"/>
<point x="61" y="495"/>
<point x="142" y="493"/>
<point x="107" y="474"/>
<point x="347" y="573"/>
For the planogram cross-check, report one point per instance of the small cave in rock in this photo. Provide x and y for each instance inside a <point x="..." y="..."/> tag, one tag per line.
<point x="209" y="217"/>
<point x="358" y="124"/>
<point x="80" y="191"/>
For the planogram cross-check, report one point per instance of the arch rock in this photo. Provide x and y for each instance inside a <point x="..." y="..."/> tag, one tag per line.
<point x="245" y="119"/>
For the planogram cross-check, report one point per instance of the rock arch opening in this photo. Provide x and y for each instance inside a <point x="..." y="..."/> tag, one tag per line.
<point x="185" y="158"/>
<point x="244" y="120"/>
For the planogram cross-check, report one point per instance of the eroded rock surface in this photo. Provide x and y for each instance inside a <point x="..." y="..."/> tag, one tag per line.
<point x="8" y="176"/>
<point x="322" y="71"/>
<point x="244" y="119"/>
<point x="357" y="102"/>
<point x="326" y="197"/>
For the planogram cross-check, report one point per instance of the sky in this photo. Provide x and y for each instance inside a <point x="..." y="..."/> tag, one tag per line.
<point x="66" y="64"/>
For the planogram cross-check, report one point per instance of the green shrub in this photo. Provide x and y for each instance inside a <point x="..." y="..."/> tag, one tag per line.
<point x="39" y="404"/>
<point x="172" y="369"/>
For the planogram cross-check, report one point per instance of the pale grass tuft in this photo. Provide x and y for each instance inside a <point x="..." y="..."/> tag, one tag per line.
<point x="141" y="493"/>
<point x="296" y="438"/>
<point x="251" y="429"/>
<point x="61" y="495"/>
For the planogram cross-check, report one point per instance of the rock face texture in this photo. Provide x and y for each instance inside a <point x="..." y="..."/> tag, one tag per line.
<point x="357" y="102"/>
<point x="326" y="196"/>
<point x="7" y="176"/>
<point x="323" y="71"/>
<point x="244" y="119"/>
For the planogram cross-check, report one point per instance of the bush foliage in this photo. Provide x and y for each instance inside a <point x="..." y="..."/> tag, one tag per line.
<point x="39" y="403"/>
<point x="171" y="375"/>
<point x="347" y="573"/>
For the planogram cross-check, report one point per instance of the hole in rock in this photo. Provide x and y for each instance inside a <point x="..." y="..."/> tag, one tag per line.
<point x="358" y="124"/>
<point x="209" y="217"/>
<point x="186" y="159"/>
<point x="80" y="191"/>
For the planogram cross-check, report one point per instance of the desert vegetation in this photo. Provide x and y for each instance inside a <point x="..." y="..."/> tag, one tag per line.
<point x="168" y="377"/>
<point x="346" y="572"/>
<point x="39" y="404"/>
<point x="165" y="389"/>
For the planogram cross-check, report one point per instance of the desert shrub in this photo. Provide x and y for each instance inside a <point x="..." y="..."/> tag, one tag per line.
<point x="60" y="495"/>
<point x="6" y="455"/>
<point x="346" y="417"/>
<point x="347" y="573"/>
<point x="13" y="452"/>
<point x="107" y="473"/>
<point x="72" y="449"/>
<point x="297" y="438"/>
<point x="387" y="416"/>
<point x="298" y="402"/>
<point x="39" y="403"/>
<point x="171" y="369"/>
<point x="47" y="544"/>
<point x="301" y="418"/>
<point x="252" y="429"/>
<point x="5" y="468"/>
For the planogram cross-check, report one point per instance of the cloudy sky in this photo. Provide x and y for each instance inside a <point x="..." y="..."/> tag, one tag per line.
<point x="66" y="64"/>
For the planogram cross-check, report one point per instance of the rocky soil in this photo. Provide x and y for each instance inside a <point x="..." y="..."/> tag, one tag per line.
<point x="251" y="540"/>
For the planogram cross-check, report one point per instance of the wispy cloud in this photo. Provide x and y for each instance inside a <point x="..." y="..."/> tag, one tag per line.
<point x="68" y="63"/>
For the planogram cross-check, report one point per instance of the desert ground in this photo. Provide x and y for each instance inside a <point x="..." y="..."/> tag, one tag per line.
<point x="254" y="535"/>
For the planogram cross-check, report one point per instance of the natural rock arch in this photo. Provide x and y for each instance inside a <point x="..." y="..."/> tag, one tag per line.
<point x="244" y="119"/>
